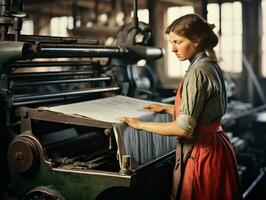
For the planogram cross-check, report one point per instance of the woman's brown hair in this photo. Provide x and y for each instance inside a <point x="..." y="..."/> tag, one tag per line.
<point x="196" y="29"/>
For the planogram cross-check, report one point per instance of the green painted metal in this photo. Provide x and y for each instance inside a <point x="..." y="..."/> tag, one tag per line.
<point x="85" y="184"/>
<point x="12" y="51"/>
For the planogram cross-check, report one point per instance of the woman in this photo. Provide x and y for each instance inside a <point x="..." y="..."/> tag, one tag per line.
<point x="205" y="162"/>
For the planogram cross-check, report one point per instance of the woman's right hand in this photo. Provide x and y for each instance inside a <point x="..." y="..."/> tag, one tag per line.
<point x="157" y="108"/>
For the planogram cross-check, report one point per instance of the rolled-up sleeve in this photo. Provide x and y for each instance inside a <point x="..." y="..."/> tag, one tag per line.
<point x="196" y="90"/>
<point x="186" y="122"/>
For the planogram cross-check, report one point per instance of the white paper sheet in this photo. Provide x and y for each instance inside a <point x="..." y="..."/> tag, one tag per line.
<point x="107" y="109"/>
<point x="142" y="146"/>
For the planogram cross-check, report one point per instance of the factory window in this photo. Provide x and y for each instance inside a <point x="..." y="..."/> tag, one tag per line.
<point x="263" y="46"/>
<point x="230" y="47"/>
<point x="60" y="25"/>
<point x="143" y="15"/>
<point x="27" y="27"/>
<point x="174" y="67"/>
<point x="213" y="16"/>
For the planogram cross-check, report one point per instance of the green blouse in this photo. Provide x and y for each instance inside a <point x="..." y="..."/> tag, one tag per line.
<point x="203" y="95"/>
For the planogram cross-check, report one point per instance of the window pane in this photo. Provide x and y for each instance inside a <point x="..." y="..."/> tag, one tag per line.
<point x="263" y="46"/>
<point x="143" y="15"/>
<point x="227" y="27"/>
<point x="237" y="11"/>
<point x="236" y="44"/>
<point x="226" y="41"/>
<point x="231" y="38"/>
<point x="175" y="12"/>
<point x="263" y="62"/>
<point x="227" y="11"/>
<point x="213" y="17"/>
<point x="263" y="7"/>
<point x="263" y="54"/>
<point x="226" y="63"/>
<point x="60" y="25"/>
<point x="27" y="27"/>
<point x="237" y="61"/>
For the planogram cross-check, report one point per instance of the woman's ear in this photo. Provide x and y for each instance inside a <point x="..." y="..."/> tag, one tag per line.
<point x="196" y="44"/>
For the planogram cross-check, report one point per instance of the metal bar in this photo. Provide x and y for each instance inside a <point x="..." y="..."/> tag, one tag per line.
<point x="204" y="12"/>
<point x="19" y="98"/>
<point x="51" y="116"/>
<point x="85" y="46"/>
<point x="243" y="114"/>
<point x="51" y="63"/>
<point x="38" y="83"/>
<point x="168" y="156"/>
<point x="253" y="185"/>
<point x="13" y="50"/>
<point x="58" y="40"/>
<point x="135" y="16"/>
<point x="54" y="52"/>
<point x="23" y="103"/>
<point x="50" y="74"/>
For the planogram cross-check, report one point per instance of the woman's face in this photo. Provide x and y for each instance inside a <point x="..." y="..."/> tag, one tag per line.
<point x="183" y="47"/>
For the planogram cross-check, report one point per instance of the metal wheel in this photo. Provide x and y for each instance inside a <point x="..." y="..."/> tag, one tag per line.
<point x="24" y="155"/>
<point x="44" y="193"/>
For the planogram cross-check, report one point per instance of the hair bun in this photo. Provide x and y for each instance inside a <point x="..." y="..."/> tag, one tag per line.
<point x="212" y="26"/>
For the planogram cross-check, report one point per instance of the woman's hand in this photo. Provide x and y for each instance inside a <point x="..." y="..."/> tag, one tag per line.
<point x="157" y="108"/>
<point x="161" y="128"/>
<point x="133" y="122"/>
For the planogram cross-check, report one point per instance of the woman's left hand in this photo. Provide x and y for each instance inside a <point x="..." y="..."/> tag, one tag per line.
<point x="133" y="122"/>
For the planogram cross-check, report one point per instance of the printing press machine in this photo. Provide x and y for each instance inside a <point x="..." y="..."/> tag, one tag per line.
<point x="76" y="155"/>
<point x="57" y="156"/>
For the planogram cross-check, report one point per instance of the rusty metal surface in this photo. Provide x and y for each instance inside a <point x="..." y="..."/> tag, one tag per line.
<point x="19" y="98"/>
<point x="20" y="156"/>
<point x="46" y="115"/>
<point x="23" y="154"/>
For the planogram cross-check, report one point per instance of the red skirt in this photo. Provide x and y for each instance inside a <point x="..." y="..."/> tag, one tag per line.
<point x="211" y="171"/>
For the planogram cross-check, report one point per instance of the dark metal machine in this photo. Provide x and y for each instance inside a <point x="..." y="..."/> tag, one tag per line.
<point x="64" y="157"/>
